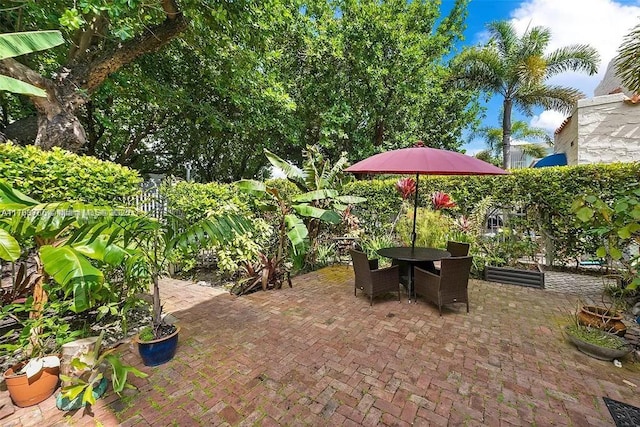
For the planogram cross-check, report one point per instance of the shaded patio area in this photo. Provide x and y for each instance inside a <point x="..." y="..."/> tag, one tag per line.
<point x="317" y="355"/>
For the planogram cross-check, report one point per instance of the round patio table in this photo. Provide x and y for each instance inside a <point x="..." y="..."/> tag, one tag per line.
<point x="414" y="256"/>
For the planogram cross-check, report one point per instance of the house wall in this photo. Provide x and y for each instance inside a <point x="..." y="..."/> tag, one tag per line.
<point x="603" y="129"/>
<point x="608" y="130"/>
<point x="567" y="140"/>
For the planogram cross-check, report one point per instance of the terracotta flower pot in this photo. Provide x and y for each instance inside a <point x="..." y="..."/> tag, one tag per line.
<point x="31" y="391"/>
<point x="601" y="318"/>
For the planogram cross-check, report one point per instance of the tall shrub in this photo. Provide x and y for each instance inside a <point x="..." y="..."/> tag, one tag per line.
<point x="543" y="195"/>
<point x="60" y="175"/>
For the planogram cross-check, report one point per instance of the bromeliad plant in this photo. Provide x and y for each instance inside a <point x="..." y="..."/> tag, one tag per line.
<point x="440" y="200"/>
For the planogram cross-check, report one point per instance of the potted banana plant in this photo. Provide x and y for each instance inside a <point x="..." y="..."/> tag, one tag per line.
<point x="153" y="244"/>
<point x="59" y="255"/>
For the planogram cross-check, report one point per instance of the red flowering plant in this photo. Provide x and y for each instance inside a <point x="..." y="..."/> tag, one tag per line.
<point x="406" y="187"/>
<point x="440" y="200"/>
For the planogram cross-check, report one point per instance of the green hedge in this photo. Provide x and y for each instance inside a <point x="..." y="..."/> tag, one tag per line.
<point x="60" y="175"/>
<point x="194" y="200"/>
<point x="545" y="194"/>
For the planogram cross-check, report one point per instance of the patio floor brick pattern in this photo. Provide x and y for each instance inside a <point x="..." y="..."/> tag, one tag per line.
<point x="316" y="355"/>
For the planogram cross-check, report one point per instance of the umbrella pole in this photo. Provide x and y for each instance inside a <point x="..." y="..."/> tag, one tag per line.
<point x="415" y="212"/>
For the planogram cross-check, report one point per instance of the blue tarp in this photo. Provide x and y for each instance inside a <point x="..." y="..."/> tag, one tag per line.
<point x="558" y="159"/>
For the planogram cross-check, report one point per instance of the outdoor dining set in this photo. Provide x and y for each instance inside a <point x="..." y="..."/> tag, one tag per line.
<point x="414" y="267"/>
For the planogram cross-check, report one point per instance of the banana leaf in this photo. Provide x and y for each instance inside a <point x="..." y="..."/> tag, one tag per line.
<point x="16" y="44"/>
<point x="329" y="216"/>
<point x="9" y="246"/>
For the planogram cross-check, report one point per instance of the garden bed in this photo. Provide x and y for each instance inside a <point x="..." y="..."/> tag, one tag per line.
<point x="533" y="278"/>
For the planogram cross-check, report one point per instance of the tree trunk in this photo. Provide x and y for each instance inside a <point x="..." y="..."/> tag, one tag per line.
<point x="378" y="138"/>
<point x="58" y="124"/>
<point x="506" y="133"/>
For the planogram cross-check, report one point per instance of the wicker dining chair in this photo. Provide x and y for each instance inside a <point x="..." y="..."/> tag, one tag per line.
<point x="372" y="280"/>
<point x="457" y="249"/>
<point x="448" y="287"/>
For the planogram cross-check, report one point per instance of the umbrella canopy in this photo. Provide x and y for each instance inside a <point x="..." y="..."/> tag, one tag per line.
<point x="421" y="160"/>
<point x="424" y="160"/>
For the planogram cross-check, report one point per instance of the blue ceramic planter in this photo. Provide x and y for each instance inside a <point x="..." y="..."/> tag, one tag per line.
<point x="159" y="351"/>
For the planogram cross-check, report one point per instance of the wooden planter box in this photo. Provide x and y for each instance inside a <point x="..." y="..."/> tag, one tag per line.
<point x="515" y="276"/>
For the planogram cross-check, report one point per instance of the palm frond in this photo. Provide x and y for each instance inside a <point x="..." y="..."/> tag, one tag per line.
<point x="558" y="98"/>
<point x="626" y="61"/>
<point x="534" y="150"/>
<point x="579" y="57"/>
<point x="480" y="68"/>
<point x="534" y="41"/>
<point x="521" y="130"/>
<point x="503" y="34"/>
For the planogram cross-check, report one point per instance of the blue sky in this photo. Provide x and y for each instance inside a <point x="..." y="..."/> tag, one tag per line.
<point x="600" y="23"/>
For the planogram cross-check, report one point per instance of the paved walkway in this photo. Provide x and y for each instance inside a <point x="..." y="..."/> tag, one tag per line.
<point x="576" y="284"/>
<point x="316" y="355"/>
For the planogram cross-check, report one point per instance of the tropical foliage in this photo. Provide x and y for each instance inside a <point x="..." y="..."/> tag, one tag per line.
<point x="544" y="196"/>
<point x="517" y="68"/>
<point x="520" y="130"/>
<point x="615" y="224"/>
<point x="299" y="216"/>
<point x="17" y="44"/>
<point x="75" y="242"/>
<point x="153" y="243"/>
<point x="88" y="373"/>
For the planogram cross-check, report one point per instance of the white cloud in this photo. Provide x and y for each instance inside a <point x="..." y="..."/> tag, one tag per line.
<point x="599" y="23"/>
<point x="548" y="120"/>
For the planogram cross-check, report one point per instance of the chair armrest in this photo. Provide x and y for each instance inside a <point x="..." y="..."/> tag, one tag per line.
<point x="387" y="273"/>
<point x="425" y="282"/>
<point x="426" y="274"/>
<point x="373" y="264"/>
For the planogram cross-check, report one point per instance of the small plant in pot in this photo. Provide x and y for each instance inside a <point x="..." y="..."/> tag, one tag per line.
<point x="595" y="342"/>
<point x="152" y="244"/>
<point x="35" y="378"/>
<point x="606" y="316"/>
<point x="85" y="381"/>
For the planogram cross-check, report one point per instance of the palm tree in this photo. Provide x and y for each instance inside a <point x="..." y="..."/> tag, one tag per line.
<point x="627" y="60"/>
<point x="519" y="130"/>
<point x="517" y="68"/>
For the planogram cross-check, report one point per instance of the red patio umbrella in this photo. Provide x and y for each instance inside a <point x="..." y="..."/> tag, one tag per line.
<point x="421" y="160"/>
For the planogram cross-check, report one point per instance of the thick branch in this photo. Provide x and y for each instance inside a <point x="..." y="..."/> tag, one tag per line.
<point x="23" y="131"/>
<point x="90" y="76"/>
<point x="12" y="68"/>
<point x="135" y="141"/>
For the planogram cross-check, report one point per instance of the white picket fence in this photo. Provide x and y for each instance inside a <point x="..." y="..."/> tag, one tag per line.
<point x="149" y="201"/>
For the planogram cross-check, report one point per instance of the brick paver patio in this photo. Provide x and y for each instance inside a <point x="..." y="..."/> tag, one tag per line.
<point x="316" y="355"/>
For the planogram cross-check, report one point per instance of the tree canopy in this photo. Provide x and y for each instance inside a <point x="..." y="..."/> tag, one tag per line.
<point x="162" y="84"/>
